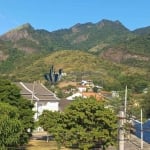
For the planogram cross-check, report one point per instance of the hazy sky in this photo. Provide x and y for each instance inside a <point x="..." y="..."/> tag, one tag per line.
<point x="59" y="14"/>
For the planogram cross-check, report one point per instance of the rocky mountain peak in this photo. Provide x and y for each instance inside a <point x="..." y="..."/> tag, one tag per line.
<point x="18" y="33"/>
<point x="112" y="24"/>
<point x="26" y="26"/>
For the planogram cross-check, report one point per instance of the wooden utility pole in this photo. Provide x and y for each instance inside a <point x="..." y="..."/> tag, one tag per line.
<point x="125" y="102"/>
<point x="32" y="92"/>
<point x="121" y="131"/>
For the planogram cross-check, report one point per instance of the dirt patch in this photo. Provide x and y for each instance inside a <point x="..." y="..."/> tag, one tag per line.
<point x="65" y="84"/>
<point x="43" y="145"/>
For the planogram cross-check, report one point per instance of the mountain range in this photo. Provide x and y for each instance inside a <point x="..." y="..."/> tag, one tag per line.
<point x="107" y="41"/>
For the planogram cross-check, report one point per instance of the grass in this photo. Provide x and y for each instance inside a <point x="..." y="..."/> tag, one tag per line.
<point x="43" y="145"/>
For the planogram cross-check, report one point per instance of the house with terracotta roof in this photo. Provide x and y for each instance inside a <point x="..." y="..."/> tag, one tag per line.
<point x="97" y="96"/>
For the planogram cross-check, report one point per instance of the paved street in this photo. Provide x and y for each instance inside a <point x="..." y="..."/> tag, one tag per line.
<point x="133" y="144"/>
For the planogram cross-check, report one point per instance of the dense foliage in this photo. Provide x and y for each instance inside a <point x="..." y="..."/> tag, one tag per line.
<point x="146" y="104"/>
<point x="74" y="63"/>
<point x="84" y="124"/>
<point x="10" y="126"/>
<point x="27" y="57"/>
<point x="21" y="112"/>
<point x="15" y="56"/>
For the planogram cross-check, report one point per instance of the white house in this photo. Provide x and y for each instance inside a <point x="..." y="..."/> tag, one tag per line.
<point x="72" y="97"/>
<point x="82" y="88"/>
<point x="40" y="96"/>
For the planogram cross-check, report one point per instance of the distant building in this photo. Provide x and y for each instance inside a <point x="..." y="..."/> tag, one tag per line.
<point x="82" y="88"/>
<point x="74" y="96"/>
<point x="115" y="94"/>
<point x="88" y="83"/>
<point x="97" y="96"/>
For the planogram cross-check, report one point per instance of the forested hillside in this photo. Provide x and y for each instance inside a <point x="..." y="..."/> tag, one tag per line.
<point x="106" y="52"/>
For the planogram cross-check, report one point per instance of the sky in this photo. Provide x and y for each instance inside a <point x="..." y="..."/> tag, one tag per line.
<point x="53" y="15"/>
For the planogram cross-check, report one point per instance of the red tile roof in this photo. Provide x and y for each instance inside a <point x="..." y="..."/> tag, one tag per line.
<point x="98" y="96"/>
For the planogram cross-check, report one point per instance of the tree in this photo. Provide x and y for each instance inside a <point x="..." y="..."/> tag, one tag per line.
<point x="85" y="123"/>
<point x="48" y="120"/>
<point x="10" y="126"/>
<point x="95" y="89"/>
<point x="10" y="93"/>
<point x="146" y="105"/>
<point x="26" y="116"/>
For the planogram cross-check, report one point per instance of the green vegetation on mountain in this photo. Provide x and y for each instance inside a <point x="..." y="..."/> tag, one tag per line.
<point x="106" y="52"/>
<point x="142" y="31"/>
<point x="146" y="104"/>
<point x="140" y="45"/>
<point x="14" y="58"/>
<point x="80" y="65"/>
<point x="80" y="36"/>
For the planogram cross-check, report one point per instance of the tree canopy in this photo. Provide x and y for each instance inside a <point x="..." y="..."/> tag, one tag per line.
<point x="10" y="126"/>
<point x="83" y="124"/>
<point x="21" y="115"/>
<point x="146" y="105"/>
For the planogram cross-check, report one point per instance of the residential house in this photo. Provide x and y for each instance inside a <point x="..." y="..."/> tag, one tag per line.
<point x="40" y="96"/>
<point x="97" y="96"/>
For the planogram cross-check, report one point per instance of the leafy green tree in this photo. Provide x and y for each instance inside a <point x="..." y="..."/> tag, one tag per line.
<point x="146" y="105"/>
<point x="140" y="85"/>
<point x="83" y="124"/>
<point x="26" y="117"/>
<point x="95" y="89"/>
<point x="10" y="93"/>
<point x="135" y="82"/>
<point x="48" y="120"/>
<point x="10" y="126"/>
